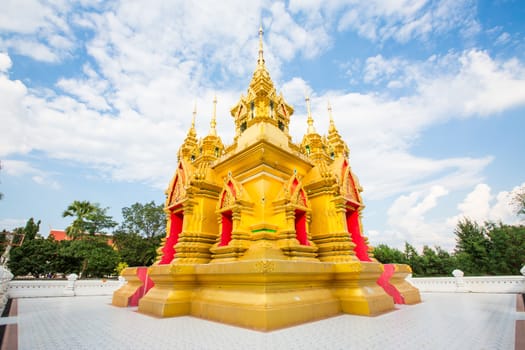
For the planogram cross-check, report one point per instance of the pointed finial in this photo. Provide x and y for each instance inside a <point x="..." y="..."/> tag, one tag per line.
<point x="213" y="122"/>
<point x="194" y="115"/>
<point x="260" y="60"/>
<point x="311" y="129"/>
<point x="332" y="124"/>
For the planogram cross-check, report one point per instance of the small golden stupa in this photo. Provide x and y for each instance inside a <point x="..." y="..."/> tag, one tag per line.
<point x="265" y="233"/>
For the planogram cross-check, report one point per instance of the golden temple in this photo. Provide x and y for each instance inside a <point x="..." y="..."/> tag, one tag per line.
<point x="265" y="233"/>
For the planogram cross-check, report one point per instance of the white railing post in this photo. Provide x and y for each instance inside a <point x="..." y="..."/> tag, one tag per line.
<point x="70" y="287"/>
<point x="458" y="279"/>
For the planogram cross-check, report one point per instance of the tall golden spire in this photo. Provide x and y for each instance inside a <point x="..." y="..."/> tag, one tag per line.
<point x="337" y="145"/>
<point x="186" y="150"/>
<point x="213" y="122"/>
<point x="261" y="104"/>
<point x="311" y="129"/>
<point x="260" y="60"/>
<point x="192" y="132"/>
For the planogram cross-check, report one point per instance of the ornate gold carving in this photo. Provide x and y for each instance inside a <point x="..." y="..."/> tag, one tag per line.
<point x="264" y="266"/>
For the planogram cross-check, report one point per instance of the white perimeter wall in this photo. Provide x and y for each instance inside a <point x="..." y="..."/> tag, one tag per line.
<point x="72" y="286"/>
<point x="486" y="284"/>
<point x="61" y="288"/>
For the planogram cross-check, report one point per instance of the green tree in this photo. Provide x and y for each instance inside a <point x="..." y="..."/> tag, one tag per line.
<point x="472" y="246"/>
<point x="35" y="257"/>
<point x="519" y="201"/>
<point x="147" y="220"/>
<point x="432" y="262"/>
<point x="89" y="218"/>
<point x="89" y="257"/>
<point x="413" y="259"/>
<point x="506" y="248"/>
<point x="31" y="229"/>
<point x="448" y="261"/>
<point x="65" y="263"/>
<point x="18" y="236"/>
<point x="139" y="235"/>
<point x="136" y="250"/>
<point x="436" y="262"/>
<point x="386" y="255"/>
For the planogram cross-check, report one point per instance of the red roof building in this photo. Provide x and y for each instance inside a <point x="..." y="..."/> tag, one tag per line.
<point x="60" y="235"/>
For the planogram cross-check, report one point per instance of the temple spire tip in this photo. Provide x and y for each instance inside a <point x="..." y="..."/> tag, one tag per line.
<point x="213" y="122"/>
<point x="194" y="115"/>
<point x="332" y="123"/>
<point x="311" y="129"/>
<point x="260" y="60"/>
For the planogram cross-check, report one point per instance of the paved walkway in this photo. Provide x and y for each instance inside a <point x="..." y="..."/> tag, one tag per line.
<point x="441" y="321"/>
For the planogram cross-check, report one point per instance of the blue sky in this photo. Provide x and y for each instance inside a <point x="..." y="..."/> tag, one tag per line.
<point x="96" y="97"/>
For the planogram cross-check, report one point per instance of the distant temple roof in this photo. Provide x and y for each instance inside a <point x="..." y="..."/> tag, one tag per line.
<point x="60" y="235"/>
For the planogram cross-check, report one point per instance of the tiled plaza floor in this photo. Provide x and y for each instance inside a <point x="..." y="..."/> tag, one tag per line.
<point x="441" y="321"/>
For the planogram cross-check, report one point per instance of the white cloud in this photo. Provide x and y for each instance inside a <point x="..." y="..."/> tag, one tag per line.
<point x="476" y="205"/>
<point x="296" y="90"/>
<point x="5" y="62"/>
<point x="21" y="168"/>
<point x="408" y="221"/>
<point x="90" y="91"/>
<point x="503" y="38"/>
<point x="37" y="29"/>
<point x="505" y="209"/>
<point x="291" y="38"/>
<point x="12" y="111"/>
<point x="409" y="216"/>
<point x="481" y="206"/>
<point x="22" y="16"/>
<point x="46" y="181"/>
<point x="482" y="86"/>
<point x="407" y="19"/>
<point x="378" y="69"/>
<point x="17" y="167"/>
<point x="33" y="49"/>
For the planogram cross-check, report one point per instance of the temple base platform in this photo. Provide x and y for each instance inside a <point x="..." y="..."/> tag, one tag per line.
<point x="267" y="294"/>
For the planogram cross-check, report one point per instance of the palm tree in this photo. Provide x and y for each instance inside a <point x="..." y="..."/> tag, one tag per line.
<point x="83" y="211"/>
<point x="89" y="218"/>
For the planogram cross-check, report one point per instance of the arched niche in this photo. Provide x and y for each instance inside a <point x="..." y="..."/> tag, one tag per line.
<point x="177" y="189"/>
<point x="350" y="191"/>
<point x="227" y="197"/>
<point x="176" y="194"/>
<point x="298" y="208"/>
<point x="175" y="225"/>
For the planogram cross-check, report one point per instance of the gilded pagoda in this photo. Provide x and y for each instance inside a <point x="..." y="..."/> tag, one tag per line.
<point x="265" y="233"/>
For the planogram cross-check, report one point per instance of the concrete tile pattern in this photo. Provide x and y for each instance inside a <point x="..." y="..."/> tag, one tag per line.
<point x="441" y="321"/>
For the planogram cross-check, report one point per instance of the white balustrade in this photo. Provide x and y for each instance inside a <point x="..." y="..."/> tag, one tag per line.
<point x="73" y="286"/>
<point x="59" y="288"/>
<point x="475" y="284"/>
